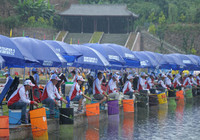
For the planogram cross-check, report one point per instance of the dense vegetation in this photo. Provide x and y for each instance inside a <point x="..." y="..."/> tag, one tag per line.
<point x="33" y="13"/>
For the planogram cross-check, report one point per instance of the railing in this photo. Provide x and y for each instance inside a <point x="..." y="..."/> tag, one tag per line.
<point x="61" y="35"/>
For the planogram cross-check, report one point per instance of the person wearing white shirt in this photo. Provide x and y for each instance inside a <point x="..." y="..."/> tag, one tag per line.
<point x="113" y="91"/>
<point x="20" y="99"/>
<point x="98" y="93"/>
<point x="176" y="81"/>
<point x="198" y="79"/>
<point x="161" y="82"/>
<point x="142" y="83"/>
<point x="75" y="93"/>
<point x="50" y="93"/>
<point x="128" y="90"/>
<point x="187" y="82"/>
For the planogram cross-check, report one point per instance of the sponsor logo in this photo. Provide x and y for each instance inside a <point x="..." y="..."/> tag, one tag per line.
<point x="8" y="51"/>
<point x="114" y="57"/>
<point x="90" y="59"/>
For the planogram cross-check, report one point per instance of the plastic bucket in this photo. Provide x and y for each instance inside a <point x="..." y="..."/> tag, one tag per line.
<point x="188" y="93"/>
<point x="4" y="127"/>
<point x="162" y="99"/>
<point x="113" y="107"/>
<point x="92" y="109"/>
<point x="180" y="95"/>
<point x="39" y="123"/>
<point x="128" y="105"/>
<point x="66" y="115"/>
<point x="153" y="99"/>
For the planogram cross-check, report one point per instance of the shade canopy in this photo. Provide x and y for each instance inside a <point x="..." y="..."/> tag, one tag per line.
<point x="114" y="58"/>
<point x="41" y="51"/>
<point x="91" y="58"/>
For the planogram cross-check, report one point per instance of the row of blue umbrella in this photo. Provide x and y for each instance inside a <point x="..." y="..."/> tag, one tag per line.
<point x="28" y="52"/>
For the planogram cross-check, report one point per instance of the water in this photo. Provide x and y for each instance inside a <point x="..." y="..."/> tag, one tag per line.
<point x="154" y="123"/>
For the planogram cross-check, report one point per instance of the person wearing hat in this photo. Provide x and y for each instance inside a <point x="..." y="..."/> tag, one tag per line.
<point x="50" y="94"/>
<point x="176" y="82"/>
<point x="161" y="82"/>
<point x="76" y="94"/>
<point x="113" y="91"/>
<point x="20" y="99"/>
<point x="150" y="81"/>
<point x="168" y="80"/>
<point x="187" y="80"/>
<point x="35" y="76"/>
<point x="142" y="83"/>
<point x="128" y="90"/>
<point x="194" y="83"/>
<point x="98" y="92"/>
<point x="7" y="75"/>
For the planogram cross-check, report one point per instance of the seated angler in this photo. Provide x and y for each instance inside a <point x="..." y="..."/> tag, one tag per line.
<point x="76" y="94"/>
<point x="20" y="99"/>
<point x="113" y="91"/>
<point x="50" y="94"/>
<point x="98" y="92"/>
<point x="128" y="90"/>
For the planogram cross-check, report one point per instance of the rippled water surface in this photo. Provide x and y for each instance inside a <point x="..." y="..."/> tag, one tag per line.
<point x="181" y="122"/>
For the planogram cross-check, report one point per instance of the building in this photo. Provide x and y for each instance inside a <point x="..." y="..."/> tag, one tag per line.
<point x="89" y="18"/>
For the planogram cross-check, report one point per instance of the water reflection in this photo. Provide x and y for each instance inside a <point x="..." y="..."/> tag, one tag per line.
<point x="128" y="126"/>
<point x="92" y="132"/>
<point x="153" y="123"/>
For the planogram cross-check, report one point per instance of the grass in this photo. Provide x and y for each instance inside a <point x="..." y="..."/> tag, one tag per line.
<point x="96" y="37"/>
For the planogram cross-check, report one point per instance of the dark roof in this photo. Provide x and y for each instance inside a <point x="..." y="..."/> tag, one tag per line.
<point x="97" y="10"/>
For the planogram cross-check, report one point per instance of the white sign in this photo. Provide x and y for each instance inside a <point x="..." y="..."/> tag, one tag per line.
<point x="128" y="55"/>
<point x="47" y="63"/>
<point x="186" y="61"/>
<point x="5" y="50"/>
<point x="114" y="57"/>
<point x="143" y="63"/>
<point x="90" y="59"/>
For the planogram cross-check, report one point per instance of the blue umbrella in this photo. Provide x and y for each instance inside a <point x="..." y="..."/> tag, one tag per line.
<point x="44" y="53"/>
<point x="197" y="59"/>
<point x="66" y="50"/>
<point x="130" y="59"/>
<point x="113" y="57"/>
<point x="171" y="61"/>
<point x="12" y="54"/>
<point x="146" y="61"/>
<point x="90" y="59"/>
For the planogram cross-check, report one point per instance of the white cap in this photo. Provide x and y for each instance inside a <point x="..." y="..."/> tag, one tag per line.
<point x="54" y="76"/>
<point x="7" y="73"/>
<point x="143" y="74"/>
<point x="178" y="75"/>
<point x="130" y="76"/>
<point x="163" y="75"/>
<point x="34" y="70"/>
<point x="28" y="82"/>
<point x="115" y="76"/>
<point x="185" y="74"/>
<point x="169" y="74"/>
<point x="52" y="71"/>
<point x="117" y="73"/>
<point x="80" y="78"/>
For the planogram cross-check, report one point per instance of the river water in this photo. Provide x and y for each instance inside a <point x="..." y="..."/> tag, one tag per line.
<point x="163" y="122"/>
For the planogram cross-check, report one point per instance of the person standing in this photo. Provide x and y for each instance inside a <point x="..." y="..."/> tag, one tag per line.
<point x="20" y="99"/>
<point x="35" y="76"/>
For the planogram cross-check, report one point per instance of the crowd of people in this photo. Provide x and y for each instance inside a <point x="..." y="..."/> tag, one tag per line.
<point x="100" y="86"/>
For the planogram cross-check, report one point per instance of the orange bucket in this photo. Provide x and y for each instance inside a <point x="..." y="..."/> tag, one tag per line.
<point x="92" y="109"/>
<point x="4" y="127"/>
<point x="38" y="122"/>
<point x="128" y="105"/>
<point x="179" y="95"/>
